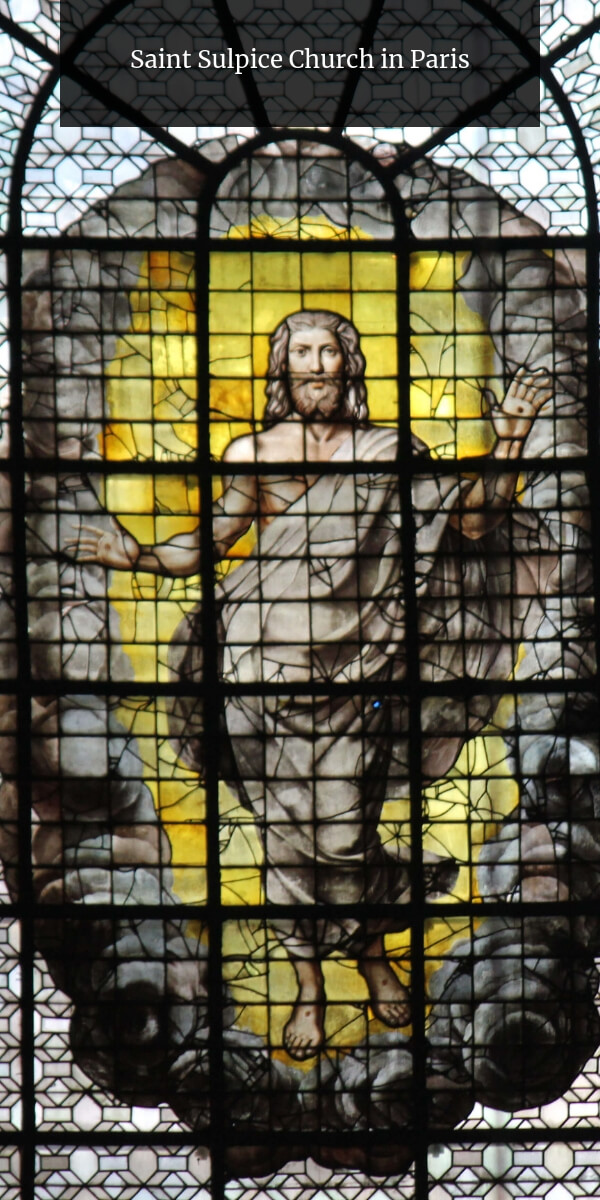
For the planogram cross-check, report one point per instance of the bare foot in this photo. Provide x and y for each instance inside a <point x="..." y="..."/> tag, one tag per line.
<point x="303" y="1035"/>
<point x="389" y="998"/>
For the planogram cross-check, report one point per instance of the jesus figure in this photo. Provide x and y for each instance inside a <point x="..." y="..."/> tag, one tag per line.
<point x="320" y="601"/>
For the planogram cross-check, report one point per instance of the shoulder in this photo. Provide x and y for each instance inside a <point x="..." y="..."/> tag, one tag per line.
<point x="375" y="441"/>
<point x="382" y="441"/>
<point x="279" y="442"/>
<point x="242" y="449"/>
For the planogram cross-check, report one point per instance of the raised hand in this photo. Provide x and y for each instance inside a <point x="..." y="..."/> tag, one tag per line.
<point x="483" y="505"/>
<point x="528" y="391"/>
<point x="117" y="548"/>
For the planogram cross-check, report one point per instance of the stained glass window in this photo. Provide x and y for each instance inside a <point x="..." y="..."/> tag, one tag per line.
<point x="299" y="737"/>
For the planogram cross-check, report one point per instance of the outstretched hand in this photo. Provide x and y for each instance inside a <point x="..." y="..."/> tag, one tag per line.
<point x="528" y="391"/>
<point x="117" y="548"/>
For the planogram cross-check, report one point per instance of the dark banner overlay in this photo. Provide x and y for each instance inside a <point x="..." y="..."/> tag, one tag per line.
<point x="293" y="64"/>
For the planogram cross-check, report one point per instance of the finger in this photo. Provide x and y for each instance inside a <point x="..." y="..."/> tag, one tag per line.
<point x="529" y="386"/>
<point x="521" y="377"/>
<point x="92" y="529"/>
<point x="525" y="382"/>
<point x="540" y="395"/>
<point x="517" y="388"/>
<point x="115" y="525"/>
<point x="527" y="369"/>
<point x="533" y="377"/>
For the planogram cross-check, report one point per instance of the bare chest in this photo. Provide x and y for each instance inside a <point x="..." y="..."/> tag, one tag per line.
<point x="277" y="493"/>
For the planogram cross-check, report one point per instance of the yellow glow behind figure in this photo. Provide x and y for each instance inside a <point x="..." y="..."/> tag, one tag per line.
<point x="151" y="399"/>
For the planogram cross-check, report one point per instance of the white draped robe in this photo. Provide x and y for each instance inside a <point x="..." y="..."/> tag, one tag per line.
<point x="321" y="600"/>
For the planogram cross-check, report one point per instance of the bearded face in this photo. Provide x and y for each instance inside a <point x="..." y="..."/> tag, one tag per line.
<point x="316" y="374"/>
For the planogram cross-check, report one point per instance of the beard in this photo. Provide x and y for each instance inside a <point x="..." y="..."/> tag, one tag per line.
<point x="317" y="397"/>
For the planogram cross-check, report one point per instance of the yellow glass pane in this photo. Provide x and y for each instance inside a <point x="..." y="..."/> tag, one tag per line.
<point x="381" y="354"/>
<point x="383" y="400"/>
<point x="132" y="358"/>
<point x="374" y="270"/>
<point x="230" y="312"/>
<point x="173" y="356"/>
<point x="142" y="659"/>
<point x="230" y="354"/>
<point x="230" y="398"/>
<point x="173" y="494"/>
<point x="130" y="493"/>
<point x="169" y="615"/>
<point x="260" y="399"/>
<point x="473" y="437"/>
<point x="374" y="312"/>
<point x="260" y="356"/>
<point x="467" y="318"/>
<point x="231" y="271"/>
<point x="469" y="397"/>
<point x="438" y="434"/>
<point x="431" y="312"/>
<point x="472" y="354"/>
<point x="137" y="621"/>
<point x="171" y="319"/>
<point x="326" y="272"/>
<point x="277" y="271"/>
<point x="431" y="354"/>
<point x="270" y="308"/>
<point x="188" y="840"/>
<point x="432" y="270"/>
<point x="174" y="399"/>
<point x="170" y="269"/>
<point x="338" y="302"/>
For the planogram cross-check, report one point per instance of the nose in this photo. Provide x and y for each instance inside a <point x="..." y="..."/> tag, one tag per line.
<point x="316" y="361"/>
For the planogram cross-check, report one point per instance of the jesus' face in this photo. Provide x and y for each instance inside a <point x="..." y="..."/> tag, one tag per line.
<point x="315" y="373"/>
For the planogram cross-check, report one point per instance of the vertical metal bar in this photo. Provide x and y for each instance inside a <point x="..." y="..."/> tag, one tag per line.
<point x="406" y="466"/>
<point x="23" y="686"/>
<point x="218" y="1117"/>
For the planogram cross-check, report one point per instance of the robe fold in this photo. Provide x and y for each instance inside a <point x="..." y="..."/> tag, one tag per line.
<point x="321" y="600"/>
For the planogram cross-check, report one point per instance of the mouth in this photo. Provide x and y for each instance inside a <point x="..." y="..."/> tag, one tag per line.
<point x="312" y="380"/>
<point x="311" y="393"/>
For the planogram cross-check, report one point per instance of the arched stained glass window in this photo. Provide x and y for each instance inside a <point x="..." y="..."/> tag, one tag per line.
<point x="299" y="739"/>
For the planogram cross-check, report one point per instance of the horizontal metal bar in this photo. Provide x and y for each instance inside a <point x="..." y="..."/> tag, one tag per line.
<point x="433" y="910"/>
<point x="415" y="463"/>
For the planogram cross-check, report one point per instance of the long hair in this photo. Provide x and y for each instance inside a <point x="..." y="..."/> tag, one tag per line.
<point x="279" y="403"/>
